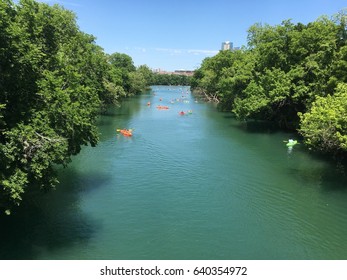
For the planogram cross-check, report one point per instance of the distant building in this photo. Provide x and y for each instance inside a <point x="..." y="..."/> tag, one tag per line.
<point x="227" y="46"/>
<point x="184" y="72"/>
<point x="176" y="72"/>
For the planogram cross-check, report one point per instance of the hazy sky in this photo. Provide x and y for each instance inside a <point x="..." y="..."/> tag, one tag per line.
<point x="179" y="34"/>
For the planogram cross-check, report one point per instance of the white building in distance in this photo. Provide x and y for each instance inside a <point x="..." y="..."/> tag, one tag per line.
<point x="227" y="46"/>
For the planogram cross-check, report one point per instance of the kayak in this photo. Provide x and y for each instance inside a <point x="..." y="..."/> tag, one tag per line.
<point x="160" y="107"/>
<point x="126" y="132"/>
<point x="291" y="143"/>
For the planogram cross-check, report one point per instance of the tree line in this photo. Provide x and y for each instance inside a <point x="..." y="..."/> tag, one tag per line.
<point x="292" y="74"/>
<point x="170" y="79"/>
<point x="54" y="81"/>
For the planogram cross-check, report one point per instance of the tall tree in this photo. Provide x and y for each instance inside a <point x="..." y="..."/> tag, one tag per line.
<point x="53" y="80"/>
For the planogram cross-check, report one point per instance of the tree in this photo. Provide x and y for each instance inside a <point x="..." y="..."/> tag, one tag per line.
<point x="137" y="82"/>
<point x="324" y="126"/>
<point x="223" y="77"/>
<point x="170" y="79"/>
<point x="287" y="74"/>
<point x="53" y="81"/>
<point x="122" y="61"/>
<point x="147" y="74"/>
<point x="122" y="65"/>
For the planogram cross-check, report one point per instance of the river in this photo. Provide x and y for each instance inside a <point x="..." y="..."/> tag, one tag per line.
<point x="196" y="186"/>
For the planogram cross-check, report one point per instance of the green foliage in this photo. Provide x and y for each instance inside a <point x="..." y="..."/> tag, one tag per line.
<point x="123" y="73"/>
<point x="122" y="61"/>
<point x="170" y="79"/>
<point x="281" y="74"/>
<point x="224" y="77"/>
<point x="300" y="59"/>
<point x="147" y="74"/>
<point x="137" y="81"/>
<point x="324" y="126"/>
<point x="54" y="80"/>
<point x="13" y="186"/>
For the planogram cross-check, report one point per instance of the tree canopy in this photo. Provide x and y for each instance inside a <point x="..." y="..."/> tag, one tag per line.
<point x="54" y="81"/>
<point x="289" y="73"/>
<point x="170" y="79"/>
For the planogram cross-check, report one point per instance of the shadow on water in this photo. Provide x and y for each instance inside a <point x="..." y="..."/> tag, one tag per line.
<point x="56" y="220"/>
<point x="257" y="126"/>
<point x="50" y="221"/>
<point x="334" y="181"/>
<point x="128" y="108"/>
<point x="330" y="172"/>
<point x="113" y="114"/>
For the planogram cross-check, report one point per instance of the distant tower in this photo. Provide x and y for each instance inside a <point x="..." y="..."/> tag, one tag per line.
<point x="227" y="46"/>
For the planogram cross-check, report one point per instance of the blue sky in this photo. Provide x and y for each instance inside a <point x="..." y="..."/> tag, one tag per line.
<point x="179" y="34"/>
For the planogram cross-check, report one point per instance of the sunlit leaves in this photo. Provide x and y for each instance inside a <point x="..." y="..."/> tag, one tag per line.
<point x="324" y="126"/>
<point x="54" y="78"/>
<point x="54" y="81"/>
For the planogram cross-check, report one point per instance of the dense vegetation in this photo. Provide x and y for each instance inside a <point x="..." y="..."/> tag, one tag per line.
<point x="54" y="81"/>
<point x="293" y="74"/>
<point x="170" y="79"/>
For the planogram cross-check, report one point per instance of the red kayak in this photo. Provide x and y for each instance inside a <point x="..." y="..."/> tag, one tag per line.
<point x="126" y="132"/>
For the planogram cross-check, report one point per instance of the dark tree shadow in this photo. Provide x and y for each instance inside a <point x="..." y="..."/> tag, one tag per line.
<point x="49" y="221"/>
<point x="259" y="126"/>
<point x="332" y="175"/>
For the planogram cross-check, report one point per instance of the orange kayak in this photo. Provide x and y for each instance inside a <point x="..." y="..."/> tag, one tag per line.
<point x="126" y="132"/>
<point x="160" y="107"/>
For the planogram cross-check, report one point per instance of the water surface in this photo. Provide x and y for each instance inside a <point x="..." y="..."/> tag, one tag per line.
<point x="198" y="186"/>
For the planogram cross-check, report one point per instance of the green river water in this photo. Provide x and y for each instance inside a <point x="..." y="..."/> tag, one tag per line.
<point x="198" y="186"/>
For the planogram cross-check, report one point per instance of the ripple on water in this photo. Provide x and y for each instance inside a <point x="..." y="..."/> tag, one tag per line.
<point x="188" y="187"/>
